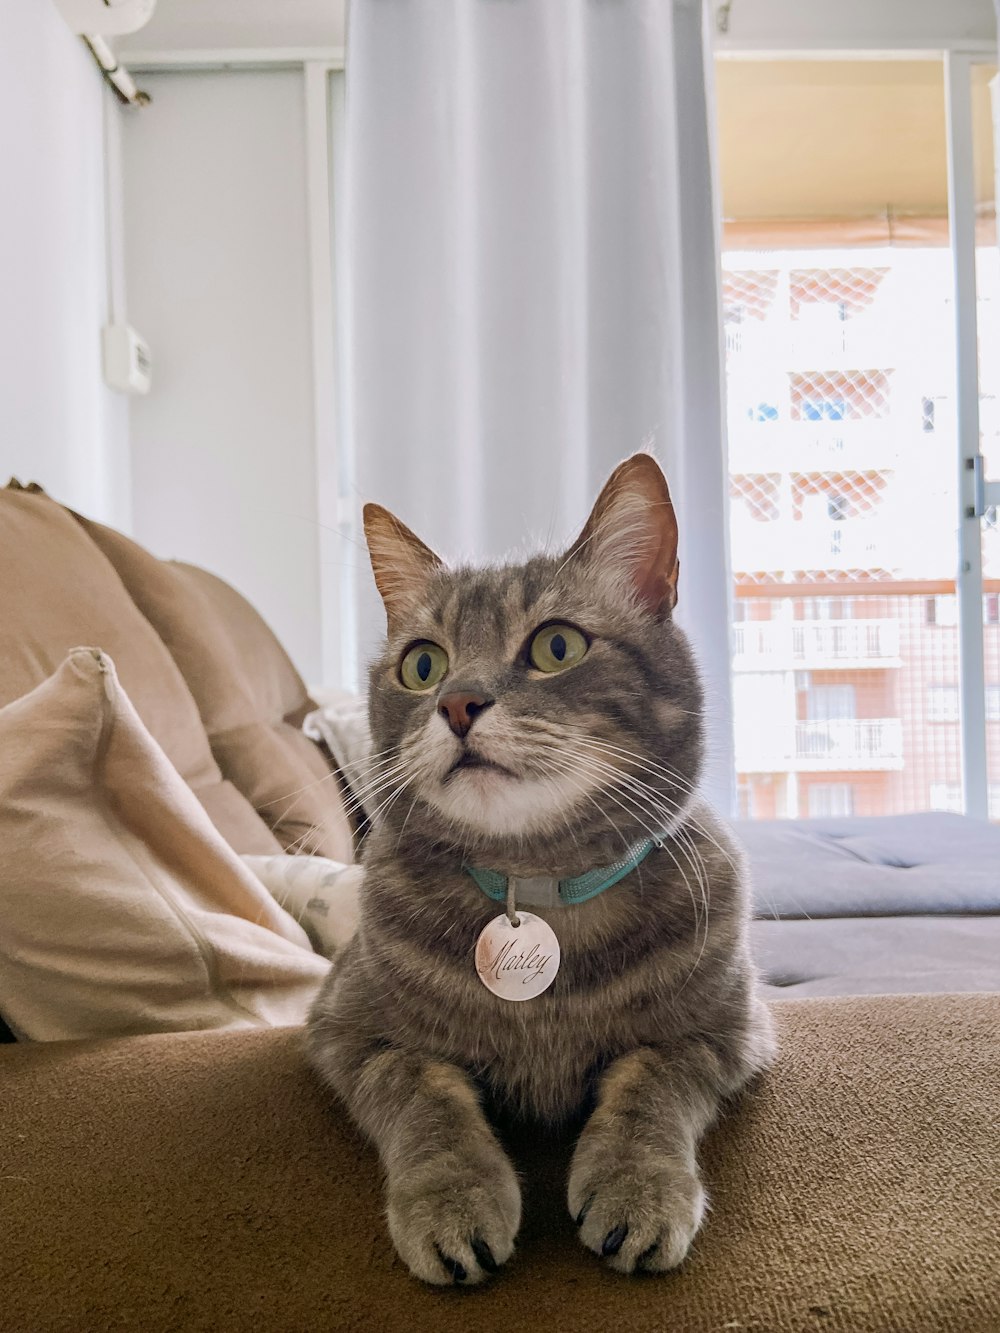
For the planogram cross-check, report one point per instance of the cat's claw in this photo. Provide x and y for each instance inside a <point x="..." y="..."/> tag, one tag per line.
<point x="614" y="1240"/>
<point x="455" y="1226"/>
<point x="636" y="1217"/>
<point x="484" y="1254"/>
<point x="451" y="1266"/>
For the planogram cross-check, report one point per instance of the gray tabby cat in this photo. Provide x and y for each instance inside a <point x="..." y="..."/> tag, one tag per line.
<point x="541" y="720"/>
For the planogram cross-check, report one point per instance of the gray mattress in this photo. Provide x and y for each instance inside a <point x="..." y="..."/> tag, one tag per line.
<point x="898" y="904"/>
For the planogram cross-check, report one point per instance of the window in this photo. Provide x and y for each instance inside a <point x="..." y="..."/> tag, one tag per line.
<point x="826" y="608"/>
<point x="849" y="395"/>
<point x="946" y="796"/>
<point x="993" y="703"/>
<point x="831" y="703"/>
<point x="942" y="703"/>
<point x="942" y="610"/>
<point x="831" y="800"/>
<point x="763" y="412"/>
<point x="823" y="409"/>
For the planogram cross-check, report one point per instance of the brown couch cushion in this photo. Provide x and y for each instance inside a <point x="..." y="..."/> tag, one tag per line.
<point x="248" y="693"/>
<point x="202" y="1182"/>
<point x="58" y="591"/>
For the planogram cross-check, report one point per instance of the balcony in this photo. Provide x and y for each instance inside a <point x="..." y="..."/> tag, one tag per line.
<point x="865" y="444"/>
<point x="840" y="745"/>
<point x="804" y="645"/>
<point x="828" y="345"/>
<point x="789" y="544"/>
<point x="852" y="744"/>
<point x="887" y="540"/>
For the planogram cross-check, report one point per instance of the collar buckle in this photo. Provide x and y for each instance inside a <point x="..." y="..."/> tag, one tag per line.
<point x="537" y="891"/>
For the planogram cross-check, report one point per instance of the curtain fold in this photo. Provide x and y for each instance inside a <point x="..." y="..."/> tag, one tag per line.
<point x="532" y="282"/>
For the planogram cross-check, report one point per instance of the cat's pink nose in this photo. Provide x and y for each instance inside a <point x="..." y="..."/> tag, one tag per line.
<point x="461" y="709"/>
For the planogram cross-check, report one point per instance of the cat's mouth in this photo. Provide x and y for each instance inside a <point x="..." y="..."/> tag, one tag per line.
<point x="468" y="759"/>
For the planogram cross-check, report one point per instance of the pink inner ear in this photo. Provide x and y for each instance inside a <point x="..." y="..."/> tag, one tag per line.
<point x="655" y="569"/>
<point x="633" y="528"/>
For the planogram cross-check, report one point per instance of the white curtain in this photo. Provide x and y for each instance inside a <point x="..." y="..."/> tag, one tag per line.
<point x="532" y="282"/>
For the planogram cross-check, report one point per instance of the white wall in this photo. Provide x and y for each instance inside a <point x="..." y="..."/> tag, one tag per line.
<point x="217" y="268"/>
<point x="59" y="425"/>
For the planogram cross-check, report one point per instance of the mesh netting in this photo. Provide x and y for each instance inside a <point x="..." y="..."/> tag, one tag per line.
<point x="836" y="428"/>
<point x="843" y="512"/>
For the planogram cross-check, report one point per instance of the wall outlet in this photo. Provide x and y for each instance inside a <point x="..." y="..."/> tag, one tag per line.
<point x="128" y="362"/>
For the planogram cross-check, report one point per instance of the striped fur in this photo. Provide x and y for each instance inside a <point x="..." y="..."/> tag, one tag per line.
<point x="652" y="1020"/>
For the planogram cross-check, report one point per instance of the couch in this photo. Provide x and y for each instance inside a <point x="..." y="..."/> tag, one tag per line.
<point x="201" y="1180"/>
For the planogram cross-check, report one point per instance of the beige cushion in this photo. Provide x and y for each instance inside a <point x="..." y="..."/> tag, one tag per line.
<point x="279" y="692"/>
<point x="248" y="693"/>
<point x="122" y="909"/>
<point x="57" y="590"/>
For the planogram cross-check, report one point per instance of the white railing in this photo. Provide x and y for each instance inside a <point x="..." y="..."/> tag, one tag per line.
<point x="856" y="344"/>
<point x="842" y="742"/>
<point x="838" y="745"/>
<point x="773" y="645"/>
<point x="882" y="541"/>
<point x="858" y="444"/>
<point x="840" y="640"/>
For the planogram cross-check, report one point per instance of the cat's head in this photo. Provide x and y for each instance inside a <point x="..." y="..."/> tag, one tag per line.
<point x="544" y="704"/>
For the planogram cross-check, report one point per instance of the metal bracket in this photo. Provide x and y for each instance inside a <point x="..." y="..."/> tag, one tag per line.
<point x="986" y="494"/>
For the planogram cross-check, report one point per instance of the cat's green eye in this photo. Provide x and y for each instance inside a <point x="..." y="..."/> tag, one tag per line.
<point x="423" y="666"/>
<point x="557" y="647"/>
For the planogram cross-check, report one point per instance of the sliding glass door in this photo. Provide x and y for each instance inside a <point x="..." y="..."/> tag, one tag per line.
<point x="845" y="417"/>
<point x="984" y="88"/>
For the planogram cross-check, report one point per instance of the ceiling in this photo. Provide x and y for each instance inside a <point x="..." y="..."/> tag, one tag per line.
<point x="836" y="138"/>
<point x="798" y="138"/>
<point x="184" y="25"/>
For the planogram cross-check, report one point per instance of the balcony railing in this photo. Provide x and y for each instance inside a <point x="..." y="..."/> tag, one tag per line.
<point x="857" y="444"/>
<point x="884" y="541"/>
<point x="850" y="743"/>
<point x="839" y="745"/>
<point x="867" y="341"/>
<point x="773" y="645"/>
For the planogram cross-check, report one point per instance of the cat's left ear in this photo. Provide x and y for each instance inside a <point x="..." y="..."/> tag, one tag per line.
<point x="401" y="562"/>
<point x="632" y="534"/>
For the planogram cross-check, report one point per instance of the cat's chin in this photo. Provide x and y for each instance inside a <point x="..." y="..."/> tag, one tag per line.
<point x="494" y="801"/>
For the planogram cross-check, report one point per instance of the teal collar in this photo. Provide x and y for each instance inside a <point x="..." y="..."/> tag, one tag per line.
<point x="545" y="891"/>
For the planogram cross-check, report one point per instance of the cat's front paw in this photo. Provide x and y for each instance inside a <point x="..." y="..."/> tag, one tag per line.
<point x="453" y="1218"/>
<point x="638" y="1209"/>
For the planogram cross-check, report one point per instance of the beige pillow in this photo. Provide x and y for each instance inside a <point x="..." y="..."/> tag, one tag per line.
<point x="122" y="909"/>
<point x="250" y="697"/>
<point x="58" y="590"/>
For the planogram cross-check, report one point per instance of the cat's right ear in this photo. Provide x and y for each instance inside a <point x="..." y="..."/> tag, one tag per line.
<point x="401" y="562"/>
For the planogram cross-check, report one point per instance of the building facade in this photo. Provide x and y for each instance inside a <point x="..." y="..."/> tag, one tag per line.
<point x="843" y="530"/>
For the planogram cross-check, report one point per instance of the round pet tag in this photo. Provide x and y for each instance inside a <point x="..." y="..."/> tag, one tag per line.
<point x="517" y="962"/>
